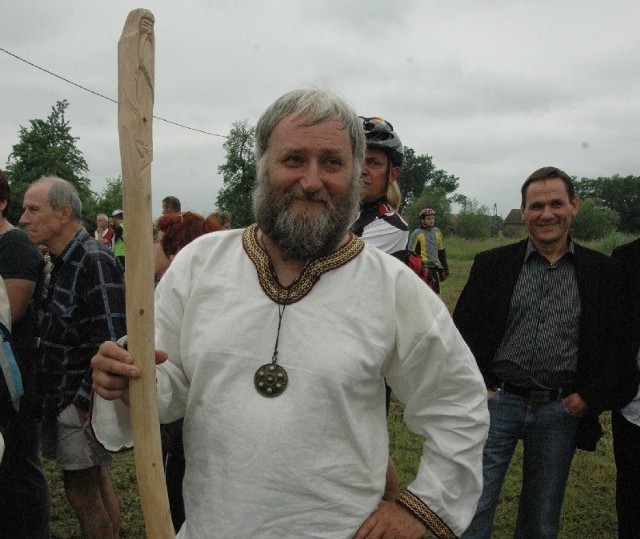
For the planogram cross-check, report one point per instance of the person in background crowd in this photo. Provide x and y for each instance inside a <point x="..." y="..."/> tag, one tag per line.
<point x="625" y="422"/>
<point x="378" y="223"/>
<point x="223" y="217"/>
<point x="427" y="242"/>
<point x="24" y="493"/>
<point x="104" y="233"/>
<point x="171" y="204"/>
<point x="175" y="230"/>
<point x="118" y="237"/>
<point x="85" y="306"/>
<point x="542" y="318"/>
<point x="279" y="339"/>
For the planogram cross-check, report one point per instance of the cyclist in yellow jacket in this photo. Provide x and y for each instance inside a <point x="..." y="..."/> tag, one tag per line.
<point x="426" y="241"/>
<point x="118" y="238"/>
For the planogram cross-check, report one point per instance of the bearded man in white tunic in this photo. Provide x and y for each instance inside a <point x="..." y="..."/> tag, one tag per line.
<point x="278" y="339"/>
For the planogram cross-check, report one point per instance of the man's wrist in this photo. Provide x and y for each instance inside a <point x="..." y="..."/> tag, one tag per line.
<point x="421" y="511"/>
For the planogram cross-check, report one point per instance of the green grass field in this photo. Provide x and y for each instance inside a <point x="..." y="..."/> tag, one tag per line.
<point x="589" y="509"/>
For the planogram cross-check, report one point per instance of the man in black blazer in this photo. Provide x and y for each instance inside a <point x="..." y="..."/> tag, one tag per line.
<point x="541" y="317"/>
<point x="626" y="422"/>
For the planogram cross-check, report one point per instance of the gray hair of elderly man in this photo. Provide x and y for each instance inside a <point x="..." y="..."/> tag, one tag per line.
<point x="62" y="193"/>
<point x="315" y="106"/>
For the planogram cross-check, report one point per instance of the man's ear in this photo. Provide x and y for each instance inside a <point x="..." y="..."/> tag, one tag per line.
<point x="66" y="213"/>
<point x="394" y="174"/>
<point x="576" y="205"/>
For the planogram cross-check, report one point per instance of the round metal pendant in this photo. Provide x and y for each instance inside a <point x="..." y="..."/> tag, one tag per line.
<point x="271" y="380"/>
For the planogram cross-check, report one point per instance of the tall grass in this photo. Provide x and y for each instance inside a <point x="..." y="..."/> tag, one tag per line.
<point x="607" y="244"/>
<point x="588" y="511"/>
<point x="463" y="249"/>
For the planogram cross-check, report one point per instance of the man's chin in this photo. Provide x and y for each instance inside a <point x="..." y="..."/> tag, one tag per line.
<point x="305" y="209"/>
<point x="550" y="239"/>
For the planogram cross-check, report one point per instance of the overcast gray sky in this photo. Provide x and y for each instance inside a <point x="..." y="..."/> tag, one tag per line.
<point x="491" y="90"/>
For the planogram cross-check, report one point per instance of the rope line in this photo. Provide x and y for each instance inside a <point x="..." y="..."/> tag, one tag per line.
<point x="106" y="97"/>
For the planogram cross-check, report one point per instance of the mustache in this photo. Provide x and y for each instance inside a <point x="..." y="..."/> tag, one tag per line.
<point x="297" y="193"/>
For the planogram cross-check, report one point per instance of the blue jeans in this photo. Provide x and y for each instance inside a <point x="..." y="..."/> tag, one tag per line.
<point x="548" y="435"/>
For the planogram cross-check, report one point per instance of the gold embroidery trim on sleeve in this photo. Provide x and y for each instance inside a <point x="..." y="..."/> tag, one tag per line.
<point x="422" y="512"/>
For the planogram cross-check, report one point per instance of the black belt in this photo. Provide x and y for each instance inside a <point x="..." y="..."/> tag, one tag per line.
<point x="537" y="394"/>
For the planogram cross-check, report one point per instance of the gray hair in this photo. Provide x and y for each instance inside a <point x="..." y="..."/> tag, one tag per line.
<point x="315" y="106"/>
<point x="62" y="193"/>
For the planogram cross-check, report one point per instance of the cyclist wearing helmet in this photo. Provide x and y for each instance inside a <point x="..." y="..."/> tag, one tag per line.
<point x="378" y="223"/>
<point x="426" y="241"/>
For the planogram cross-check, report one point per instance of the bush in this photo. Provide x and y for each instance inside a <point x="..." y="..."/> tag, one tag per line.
<point x="473" y="222"/>
<point x="592" y="222"/>
<point x="515" y="232"/>
<point x="473" y="226"/>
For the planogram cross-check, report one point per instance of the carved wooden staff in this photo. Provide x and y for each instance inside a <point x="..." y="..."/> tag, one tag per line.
<point x="135" y="114"/>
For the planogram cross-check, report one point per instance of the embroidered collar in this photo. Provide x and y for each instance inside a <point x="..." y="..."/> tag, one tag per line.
<point x="310" y="274"/>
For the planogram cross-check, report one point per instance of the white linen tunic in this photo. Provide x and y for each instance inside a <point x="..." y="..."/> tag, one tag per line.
<point x="312" y="461"/>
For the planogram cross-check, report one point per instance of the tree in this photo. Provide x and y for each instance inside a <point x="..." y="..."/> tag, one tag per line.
<point x="474" y="221"/>
<point x="592" y="222"/>
<point x="621" y="194"/>
<point x="47" y="148"/>
<point x="111" y="197"/>
<point x="238" y="173"/>
<point x="418" y="172"/>
<point x="416" y="169"/>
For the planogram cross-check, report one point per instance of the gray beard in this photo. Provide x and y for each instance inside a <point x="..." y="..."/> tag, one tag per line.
<point x="304" y="237"/>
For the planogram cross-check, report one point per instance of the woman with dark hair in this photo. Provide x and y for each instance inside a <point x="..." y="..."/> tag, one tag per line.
<point x="175" y="230"/>
<point x="24" y="511"/>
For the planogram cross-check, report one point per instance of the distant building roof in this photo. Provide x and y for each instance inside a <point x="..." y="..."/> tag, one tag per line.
<point x="514" y="218"/>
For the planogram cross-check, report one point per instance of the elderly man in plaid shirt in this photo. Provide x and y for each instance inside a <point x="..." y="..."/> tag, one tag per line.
<point x="84" y="307"/>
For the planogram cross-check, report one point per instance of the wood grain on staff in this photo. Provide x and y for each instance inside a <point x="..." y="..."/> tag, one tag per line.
<point x="135" y="114"/>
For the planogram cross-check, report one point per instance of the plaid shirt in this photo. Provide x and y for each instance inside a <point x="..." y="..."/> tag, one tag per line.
<point x="84" y="307"/>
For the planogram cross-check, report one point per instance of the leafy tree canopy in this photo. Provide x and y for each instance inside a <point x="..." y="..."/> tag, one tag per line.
<point x="47" y="148"/>
<point x="419" y="172"/>
<point x="621" y="194"/>
<point x="111" y="197"/>
<point x="238" y="174"/>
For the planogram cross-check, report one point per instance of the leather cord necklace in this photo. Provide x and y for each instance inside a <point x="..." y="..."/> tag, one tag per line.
<point x="271" y="379"/>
